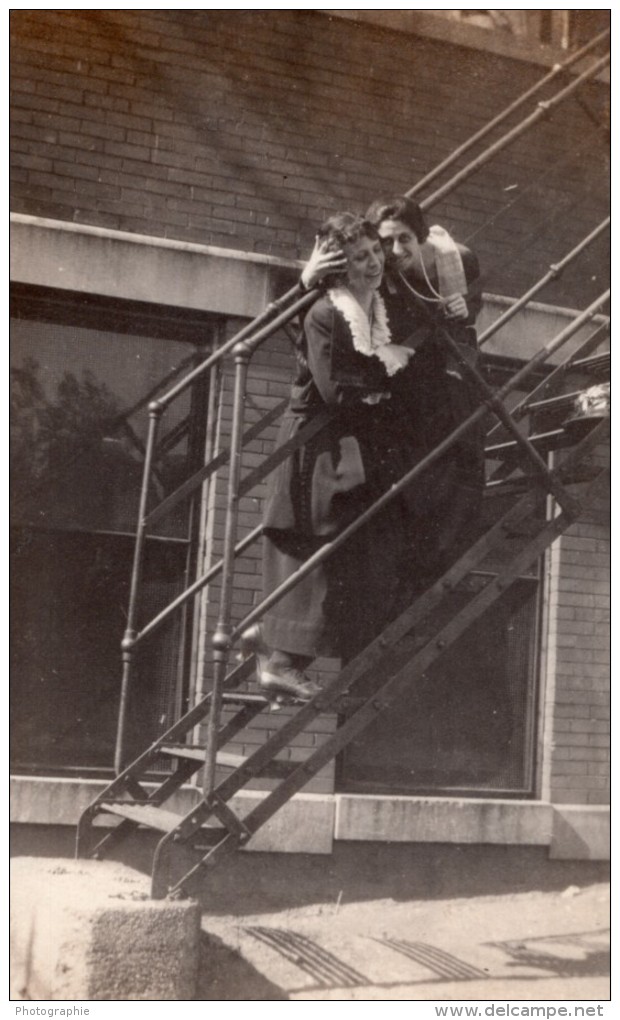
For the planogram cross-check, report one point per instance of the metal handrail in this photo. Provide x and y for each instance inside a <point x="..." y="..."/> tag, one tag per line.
<point x="184" y="490"/>
<point x="191" y="484"/>
<point x="549" y="383"/>
<point x="223" y="636"/>
<point x="553" y="273"/>
<point x="326" y="550"/>
<point x="501" y="117"/>
<point x="243" y="345"/>
<point x="299" y="305"/>
<point x="543" y="109"/>
<point x="225" y="633"/>
<point x="156" y="410"/>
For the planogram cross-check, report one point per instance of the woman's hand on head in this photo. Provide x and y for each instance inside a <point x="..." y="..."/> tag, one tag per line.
<point x="455" y="307"/>
<point x="321" y="263"/>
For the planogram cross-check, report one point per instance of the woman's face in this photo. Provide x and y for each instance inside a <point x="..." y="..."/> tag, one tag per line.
<point x="365" y="261"/>
<point x="400" y="242"/>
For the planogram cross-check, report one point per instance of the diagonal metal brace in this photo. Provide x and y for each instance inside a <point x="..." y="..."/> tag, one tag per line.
<point x="227" y="817"/>
<point x="495" y="404"/>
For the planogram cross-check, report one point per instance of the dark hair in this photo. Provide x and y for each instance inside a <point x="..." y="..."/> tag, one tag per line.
<point x="399" y="208"/>
<point x="346" y="228"/>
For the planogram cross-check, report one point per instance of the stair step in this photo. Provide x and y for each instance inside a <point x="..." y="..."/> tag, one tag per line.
<point x="145" y="814"/>
<point x="244" y="698"/>
<point x="548" y="440"/>
<point x="594" y="363"/>
<point x="192" y="751"/>
<point x="273" y="770"/>
<point x="163" y="821"/>
<point x="562" y="401"/>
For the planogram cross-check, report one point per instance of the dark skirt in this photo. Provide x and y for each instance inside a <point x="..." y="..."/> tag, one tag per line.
<point x="344" y="602"/>
<point x="349" y="599"/>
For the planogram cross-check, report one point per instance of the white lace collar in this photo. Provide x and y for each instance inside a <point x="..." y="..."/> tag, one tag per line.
<point x="367" y="335"/>
<point x="370" y="337"/>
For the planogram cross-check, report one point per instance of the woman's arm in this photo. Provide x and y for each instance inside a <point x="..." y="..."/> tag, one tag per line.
<point x="318" y="331"/>
<point x="321" y="263"/>
<point x="474" y="284"/>
<point x="466" y="306"/>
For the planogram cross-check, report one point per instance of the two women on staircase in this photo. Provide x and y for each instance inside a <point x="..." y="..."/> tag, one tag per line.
<point x="372" y="362"/>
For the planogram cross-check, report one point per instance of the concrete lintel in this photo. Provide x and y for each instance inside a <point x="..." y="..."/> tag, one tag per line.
<point x="90" y="260"/>
<point x="533" y="327"/>
<point x="181" y="274"/>
<point x="87" y="930"/>
<point x="581" y="832"/>
<point x="442" y="820"/>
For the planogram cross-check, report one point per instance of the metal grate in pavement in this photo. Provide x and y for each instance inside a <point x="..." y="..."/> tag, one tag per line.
<point x="443" y="964"/>
<point x="326" y="969"/>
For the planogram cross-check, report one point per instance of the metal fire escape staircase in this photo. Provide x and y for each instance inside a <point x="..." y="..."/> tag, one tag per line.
<point x="517" y="451"/>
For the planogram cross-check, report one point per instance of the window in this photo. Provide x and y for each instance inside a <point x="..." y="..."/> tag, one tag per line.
<point x="468" y="726"/>
<point x="562" y="29"/>
<point x="82" y="373"/>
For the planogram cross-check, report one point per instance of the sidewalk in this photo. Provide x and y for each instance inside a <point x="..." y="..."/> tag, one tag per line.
<point x="525" y="945"/>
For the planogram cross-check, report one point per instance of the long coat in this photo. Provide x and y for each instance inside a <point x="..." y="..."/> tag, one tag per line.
<point x="322" y="487"/>
<point x="363" y="450"/>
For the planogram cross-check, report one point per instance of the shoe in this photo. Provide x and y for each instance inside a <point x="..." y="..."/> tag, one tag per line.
<point x="289" y="681"/>
<point x="252" y="643"/>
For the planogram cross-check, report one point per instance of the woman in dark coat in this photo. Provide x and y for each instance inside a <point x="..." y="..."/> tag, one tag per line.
<point x="347" y="366"/>
<point x="433" y="285"/>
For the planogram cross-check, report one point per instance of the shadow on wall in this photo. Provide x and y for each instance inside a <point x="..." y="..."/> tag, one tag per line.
<point x="355" y="872"/>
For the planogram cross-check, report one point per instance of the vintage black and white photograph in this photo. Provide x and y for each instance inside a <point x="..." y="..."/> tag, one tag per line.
<point x="310" y="404"/>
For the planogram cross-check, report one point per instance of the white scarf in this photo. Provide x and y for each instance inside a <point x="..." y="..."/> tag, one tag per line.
<point x="448" y="263"/>
<point x="371" y="337"/>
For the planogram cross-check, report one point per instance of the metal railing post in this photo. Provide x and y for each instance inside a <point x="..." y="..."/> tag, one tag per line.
<point x="127" y="646"/>
<point x="442" y="447"/>
<point x="221" y="640"/>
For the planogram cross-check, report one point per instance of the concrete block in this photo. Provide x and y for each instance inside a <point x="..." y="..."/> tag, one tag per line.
<point x="88" y="930"/>
<point x="442" y="820"/>
<point x="580" y="832"/>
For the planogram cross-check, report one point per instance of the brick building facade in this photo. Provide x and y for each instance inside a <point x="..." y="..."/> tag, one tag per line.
<point x="168" y="170"/>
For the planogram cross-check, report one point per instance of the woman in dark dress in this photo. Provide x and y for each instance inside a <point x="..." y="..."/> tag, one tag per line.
<point x="348" y="363"/>
<point x="431" y="284"/>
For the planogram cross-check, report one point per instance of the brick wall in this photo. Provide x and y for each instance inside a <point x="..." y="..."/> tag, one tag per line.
<point x="577" y="744"/>
<point x="243" y="129"/>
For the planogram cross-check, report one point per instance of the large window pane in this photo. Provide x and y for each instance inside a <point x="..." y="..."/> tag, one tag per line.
<point x="79" y="419"/>
<point x="69" y="593"/>
<point x="468" y="723"/>
<point x="79" y="426"/>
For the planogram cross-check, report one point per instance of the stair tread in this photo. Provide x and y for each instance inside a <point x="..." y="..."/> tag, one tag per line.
<point x="276" y="769"/>
<point x="197" y="753"/>
<point x="159" y="818"/>
<point x="244" y="698"/>
<point x="554" y="436"/>
<point x="595" y="362"/>
<point x="193" y="751"/>
<point x="145" y="814"/>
